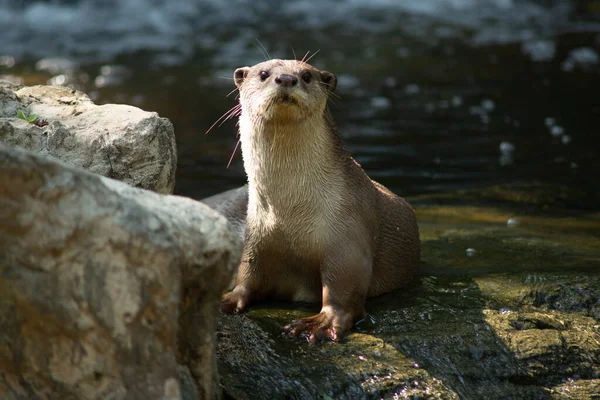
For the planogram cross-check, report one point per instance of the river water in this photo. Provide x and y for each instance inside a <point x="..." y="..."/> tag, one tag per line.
<point x="435" y="95"/>
<point x="485" y="113"/>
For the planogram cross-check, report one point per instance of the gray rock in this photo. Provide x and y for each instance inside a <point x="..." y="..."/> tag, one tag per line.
<point x="105" y="288"/>
<point x="117" y="141"/>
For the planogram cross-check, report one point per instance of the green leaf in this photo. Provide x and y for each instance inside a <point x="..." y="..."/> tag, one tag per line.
<point x="31" y="118"/>
<point x="21" y="115"/>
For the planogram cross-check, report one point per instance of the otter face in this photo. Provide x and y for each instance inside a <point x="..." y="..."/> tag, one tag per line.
<point x="283" y="90"/>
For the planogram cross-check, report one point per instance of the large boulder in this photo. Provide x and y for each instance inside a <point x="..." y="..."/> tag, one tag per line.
<point x="106" y="291"/>
<point x="114" y="140"/>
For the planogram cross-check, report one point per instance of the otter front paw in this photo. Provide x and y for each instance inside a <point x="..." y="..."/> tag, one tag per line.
<point x="325" y="325"/>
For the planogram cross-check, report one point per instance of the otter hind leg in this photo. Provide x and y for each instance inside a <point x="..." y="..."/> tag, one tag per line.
<point x="398" y="244"/>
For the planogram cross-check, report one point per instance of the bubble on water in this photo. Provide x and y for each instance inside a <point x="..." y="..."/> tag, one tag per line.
<point x="347" y="81"/>
<point x="549" y="121"/>
<point x="412" y="88"/>
<point x="583" y="57"/>
<point x="58" y="80"/>
<point x="507" y="150"/>
<point x="17" y="80"/>
<point x="539" y="50"/>
<point x="456" y="101"/>
<point x="565" y="139"/>
<point x="380" y="103"/>
<point x="471" y="252"/>
<point x="99" y="81"/>
<point x="485" y="119"/>
<point x="7" y="61"/>
<point x="488" y="104"/>
<point x="512" y="222"/>
<point x="111" y="75"/>
<point x="390" y="81"/>
<point x="430" y="107"/>
<point x="568" y="65"/>
<point x="56" y="65"/>
<point x="574" y="165"/>
<point x="557" y="130"/>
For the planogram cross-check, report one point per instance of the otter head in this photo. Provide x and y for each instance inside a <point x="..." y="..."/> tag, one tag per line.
<point x="283" y="90"/>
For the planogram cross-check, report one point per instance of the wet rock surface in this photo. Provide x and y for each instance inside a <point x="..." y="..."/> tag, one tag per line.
<point x="517" y="318"/>
<point x="117" y="141"/>
<point x="106" y="291"/>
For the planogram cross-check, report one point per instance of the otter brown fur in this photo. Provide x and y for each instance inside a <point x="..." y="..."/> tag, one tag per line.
<point x="318" y="229"/>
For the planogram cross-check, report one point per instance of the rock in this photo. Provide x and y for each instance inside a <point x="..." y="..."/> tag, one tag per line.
<point x="117" y="141"/>
<point x="105" y="288"/>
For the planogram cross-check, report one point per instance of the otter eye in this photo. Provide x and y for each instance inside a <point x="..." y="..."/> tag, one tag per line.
<point x="306" y="77"/>
<point x="264" y="75"/>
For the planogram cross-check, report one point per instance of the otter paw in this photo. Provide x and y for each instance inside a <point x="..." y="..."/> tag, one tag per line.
<point x="315" y="328"/>
<point x="233" y="302"/>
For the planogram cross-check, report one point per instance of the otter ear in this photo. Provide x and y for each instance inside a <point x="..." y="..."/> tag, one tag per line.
<point x="239" y="75"/>
<point x="329" y="80"/>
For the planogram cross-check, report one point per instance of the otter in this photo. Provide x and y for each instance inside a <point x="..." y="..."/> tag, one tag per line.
<point x="316" y="228"/>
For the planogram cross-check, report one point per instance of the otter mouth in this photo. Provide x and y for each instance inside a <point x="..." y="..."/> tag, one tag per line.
<point x="284" y="98"/>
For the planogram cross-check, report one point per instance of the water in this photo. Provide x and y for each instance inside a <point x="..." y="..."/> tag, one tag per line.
<point x="436" y="95"/>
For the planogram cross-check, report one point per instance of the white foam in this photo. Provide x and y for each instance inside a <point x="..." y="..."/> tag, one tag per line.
<point x="99" y="30"/>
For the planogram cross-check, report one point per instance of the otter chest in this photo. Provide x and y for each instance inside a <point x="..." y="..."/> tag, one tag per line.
<point x="301" y="224"/>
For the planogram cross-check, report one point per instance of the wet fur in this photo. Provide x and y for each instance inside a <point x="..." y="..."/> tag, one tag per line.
<point x="317" y="228"/>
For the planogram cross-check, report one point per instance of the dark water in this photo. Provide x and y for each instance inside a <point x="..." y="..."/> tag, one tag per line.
<point x="435" y="95"/>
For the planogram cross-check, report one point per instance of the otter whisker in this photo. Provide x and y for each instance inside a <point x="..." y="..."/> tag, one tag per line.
<point x="306" y="55"/>
<point x="228" y="114"/>
<point x="233" y="154"/>
<point x="263" y="51"/>
<point x="313" y="54"/>
<point x="232" y="115"/>
<point x="293" y="52"/>
<point x="233" y="91"/>
<point x="337" y="96"/>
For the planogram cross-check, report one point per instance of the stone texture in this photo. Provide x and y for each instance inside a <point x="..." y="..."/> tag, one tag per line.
<point x="105" y="288"/>
<point x="117" y="141"/>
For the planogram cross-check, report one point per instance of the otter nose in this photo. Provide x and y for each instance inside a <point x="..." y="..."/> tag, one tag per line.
<point x="286" y="80"/>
